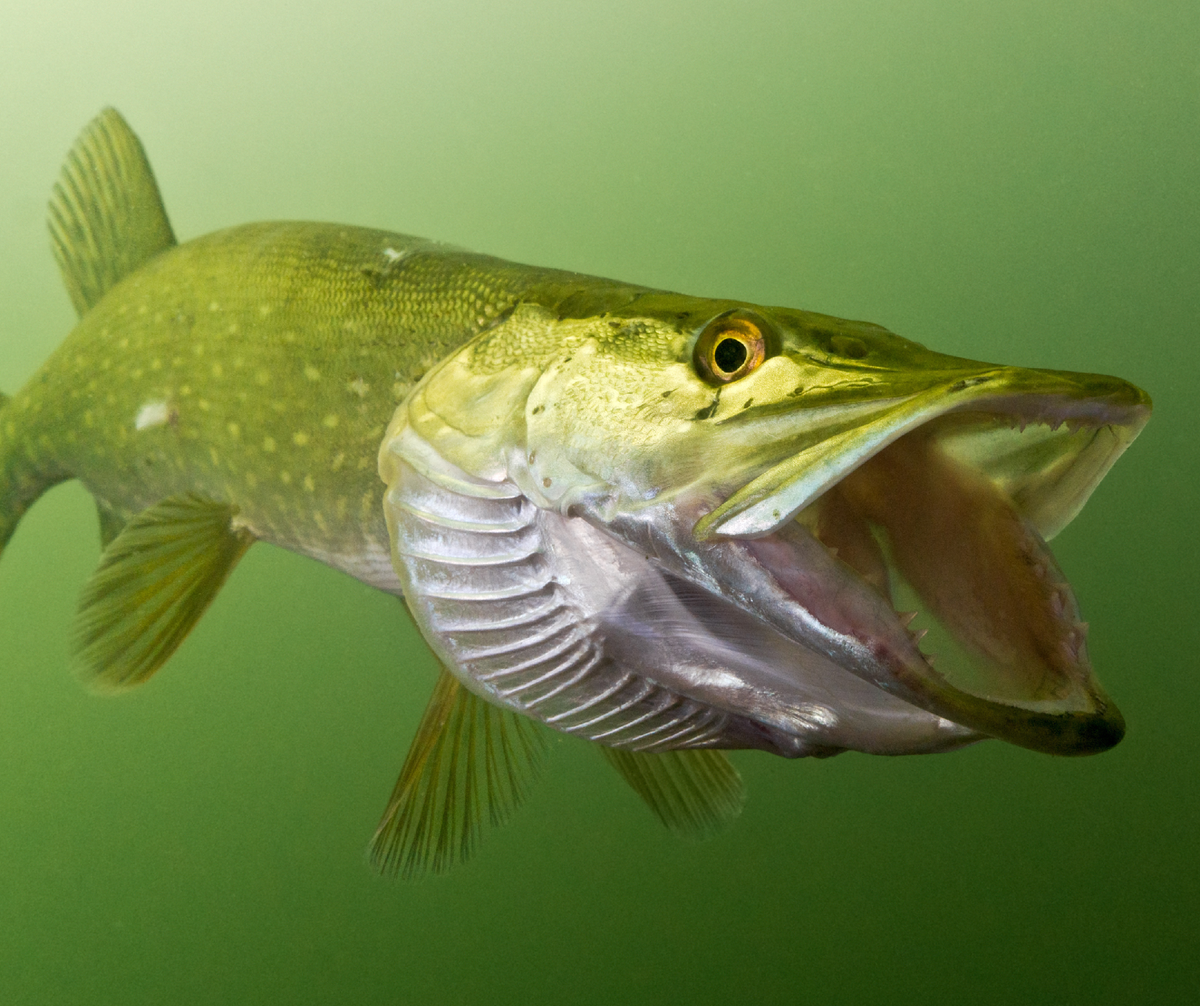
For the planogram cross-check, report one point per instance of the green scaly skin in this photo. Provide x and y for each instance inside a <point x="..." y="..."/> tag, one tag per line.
<point x="278" y="353"/>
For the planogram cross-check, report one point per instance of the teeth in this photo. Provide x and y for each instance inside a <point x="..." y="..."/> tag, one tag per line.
<point x="1082" y="629"/>
<point x="918" y="635"/>
<point x="905" y="617"/>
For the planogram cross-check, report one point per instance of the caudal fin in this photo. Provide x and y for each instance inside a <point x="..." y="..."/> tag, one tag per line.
<point x="23" y="475"/>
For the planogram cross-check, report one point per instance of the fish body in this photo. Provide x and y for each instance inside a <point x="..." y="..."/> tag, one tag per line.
<point x="666" y="524"/>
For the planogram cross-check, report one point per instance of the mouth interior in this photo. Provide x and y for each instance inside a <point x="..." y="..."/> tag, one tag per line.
<point x="938" y="537"/>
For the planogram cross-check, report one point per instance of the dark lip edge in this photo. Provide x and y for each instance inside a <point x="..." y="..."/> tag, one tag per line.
<point x="1135" y="413"/>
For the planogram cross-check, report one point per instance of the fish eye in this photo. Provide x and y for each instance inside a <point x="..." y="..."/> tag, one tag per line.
<point x="731" y="346"/>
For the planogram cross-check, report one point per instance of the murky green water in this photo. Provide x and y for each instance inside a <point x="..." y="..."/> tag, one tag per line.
<point x="1014" y="180"/>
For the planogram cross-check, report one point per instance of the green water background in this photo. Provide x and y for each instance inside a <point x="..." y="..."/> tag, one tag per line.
<point x="1013" y="180"/>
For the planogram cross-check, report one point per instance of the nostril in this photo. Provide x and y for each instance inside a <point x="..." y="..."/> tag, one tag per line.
<point x="849" y="347"/>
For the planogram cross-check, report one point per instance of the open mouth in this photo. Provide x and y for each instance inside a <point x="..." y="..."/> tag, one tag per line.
<point x="923" y="558"/>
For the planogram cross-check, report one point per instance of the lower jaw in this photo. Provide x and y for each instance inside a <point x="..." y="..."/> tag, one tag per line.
<point x="912" y="521"/>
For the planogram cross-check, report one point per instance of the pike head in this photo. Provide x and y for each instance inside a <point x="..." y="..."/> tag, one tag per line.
<point x="738" y="510"/>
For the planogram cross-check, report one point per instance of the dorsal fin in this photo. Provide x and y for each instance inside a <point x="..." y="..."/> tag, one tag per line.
<point x="106" y="216"/>
<point x="695" y="793"/>
<point x="155" y="579"/>
<point x="469" y="762"/>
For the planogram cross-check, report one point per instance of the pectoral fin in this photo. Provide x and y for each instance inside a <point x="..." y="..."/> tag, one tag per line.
<point x="154" y="581"/>
<point x="469" y="762"/>
<point x="695" y="793"/>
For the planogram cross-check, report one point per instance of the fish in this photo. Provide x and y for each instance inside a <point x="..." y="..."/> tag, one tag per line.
<point x="670" y="526"/>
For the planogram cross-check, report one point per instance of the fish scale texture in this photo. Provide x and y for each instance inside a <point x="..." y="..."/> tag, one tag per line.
<point x="259" y="365"/>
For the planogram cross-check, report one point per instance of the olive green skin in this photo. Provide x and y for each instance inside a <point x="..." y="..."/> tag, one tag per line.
<point x="280" y="352"/>
<point x="277" y="353"/>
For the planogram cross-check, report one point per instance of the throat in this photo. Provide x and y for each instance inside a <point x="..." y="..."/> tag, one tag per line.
<point x="976" y="566"/>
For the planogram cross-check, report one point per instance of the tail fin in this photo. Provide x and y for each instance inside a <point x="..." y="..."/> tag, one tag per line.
<point x="22" y="478"/>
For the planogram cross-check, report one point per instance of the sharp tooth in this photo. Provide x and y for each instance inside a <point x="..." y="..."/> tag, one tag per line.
<point x="930" y="658"/>
<point x="918" y="635"/>
<point x="1082" y="629"/>
<point x="831" y="550"/>
<point x="905" y="617"/>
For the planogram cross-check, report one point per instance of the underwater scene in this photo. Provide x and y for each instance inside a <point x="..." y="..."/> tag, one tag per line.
<point x="736" y="664"/>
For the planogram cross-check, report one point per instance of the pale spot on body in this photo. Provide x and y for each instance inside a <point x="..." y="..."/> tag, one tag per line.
<point x="309" y="484"/>
<point x="311" y="372"/>
<point x="300" y="438"/>
<point x="234" y="430"/>
<point x="269" y="444"/>
<point x="251" y="479"/>
<point x="330" y="420"/>
<point x="217" y="370"/>
<point x="149" y="415"/>
<point x="262" y="378"/>
<point x="338" y="460"/>
<point x="359" y="387"/>
<point x="285" y="478"/>
<point x="214" y="306"/>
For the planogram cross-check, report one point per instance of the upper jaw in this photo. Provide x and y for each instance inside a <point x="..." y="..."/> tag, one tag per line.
<point x="897" y="403"/>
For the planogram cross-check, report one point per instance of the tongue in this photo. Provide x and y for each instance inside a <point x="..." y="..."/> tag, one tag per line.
<point x="978" y="568"/>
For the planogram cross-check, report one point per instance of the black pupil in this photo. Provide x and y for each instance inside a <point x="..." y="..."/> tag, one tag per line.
<point x="729" y="355"/>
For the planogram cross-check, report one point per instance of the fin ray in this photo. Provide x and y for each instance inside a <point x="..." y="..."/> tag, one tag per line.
<point x="106" y="216"/>
<point x="695" y="793"/>
<point x="469" y="763"/>
<point x="155" y="579"/>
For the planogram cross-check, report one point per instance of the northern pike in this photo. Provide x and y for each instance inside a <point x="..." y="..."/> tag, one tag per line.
<point x="667" y="525"/>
